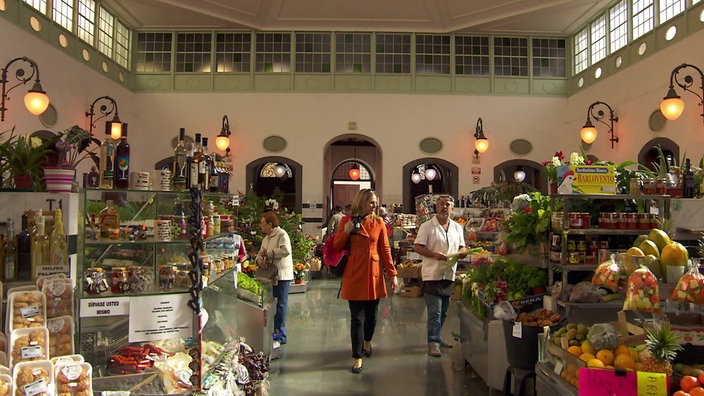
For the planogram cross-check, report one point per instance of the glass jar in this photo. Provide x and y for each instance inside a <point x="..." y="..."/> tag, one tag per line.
<point x="631" y="221"/>
<point x="661" y="185"/>
<point x="571" y="245"/>
<point x="140" y="279"/>
<point x="634" y="186"/>
<point x="575" y="220"/>
<point x="94" y="281"/>
<point x="574" y="258"/>
<point x="167" y="275"/>
<point x="622" y="221"/>
<point x="642" y="221"/>
<point x="649" y="186"/>
<point x="119" y="281"/>
<point x="586" y="220"/>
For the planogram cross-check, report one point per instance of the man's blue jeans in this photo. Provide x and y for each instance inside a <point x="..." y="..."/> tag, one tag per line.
<point x="437" y="312"/>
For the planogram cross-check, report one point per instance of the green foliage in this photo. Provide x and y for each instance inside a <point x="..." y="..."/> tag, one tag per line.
<point x="499" y="193"/>
<point x="530" y="221"/>
<point x="22" y="155"/>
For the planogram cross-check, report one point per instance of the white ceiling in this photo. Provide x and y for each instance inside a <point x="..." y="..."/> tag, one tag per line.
<point x="546" y="17"/>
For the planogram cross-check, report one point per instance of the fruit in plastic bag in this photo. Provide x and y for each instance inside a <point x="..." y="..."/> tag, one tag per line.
<point x="642" y="293"/>
<point x="603" y="336"/>
<point x="690" y="287"/>
<point x="607" y="275"/>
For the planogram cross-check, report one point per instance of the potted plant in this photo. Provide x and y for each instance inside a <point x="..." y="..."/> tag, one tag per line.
<point x="73" y="145"/>
<point x="529" y="223"/>
<point x="22" y="157"/>
<point x="299" y="272"/>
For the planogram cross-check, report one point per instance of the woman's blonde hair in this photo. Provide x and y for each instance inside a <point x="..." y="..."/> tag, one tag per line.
<point x="360" y="200"/>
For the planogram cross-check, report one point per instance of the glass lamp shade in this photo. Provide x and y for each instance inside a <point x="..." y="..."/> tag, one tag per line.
<point x="279" y="170"/>
<point x="519" y="175"/>
<point x="430" y="174"/>
<point x="588" y="134"/>
<point x="36" y="100"/>
<point x="672" y="107"/>
<point x="415" y="177"/>
<point x="222" y="142"/>
<point x="115" y="129"/>
<point x="481" y="144"/>
<point x="354" y="172"/>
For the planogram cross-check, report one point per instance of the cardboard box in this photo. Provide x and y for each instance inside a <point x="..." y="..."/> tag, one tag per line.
<point x="413" y="272"/>
<point x="411" y="291"/>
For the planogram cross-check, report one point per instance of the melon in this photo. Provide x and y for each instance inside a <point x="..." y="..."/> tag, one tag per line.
<point x="649" y="247"/>
<point x="674" y="254"/>
<point x="653" y="264"/>
<point x="628" y="261"/>
<point x="660" y="238"/>
<point x="640" y="239"/>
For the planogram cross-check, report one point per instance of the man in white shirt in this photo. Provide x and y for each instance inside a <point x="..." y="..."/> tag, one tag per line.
<point x="437" y="239"/>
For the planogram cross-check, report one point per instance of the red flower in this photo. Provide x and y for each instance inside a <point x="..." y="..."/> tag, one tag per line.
<point x="527" y="209"/>
<point x="587" y="162"/>
<point x="559" y="155"/>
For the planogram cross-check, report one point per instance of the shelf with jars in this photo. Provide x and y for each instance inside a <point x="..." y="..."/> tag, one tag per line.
<point x="591" y="226"/>
<point x="136" y="274"/>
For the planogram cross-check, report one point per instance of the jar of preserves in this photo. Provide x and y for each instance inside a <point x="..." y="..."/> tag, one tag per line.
<point x="623" y="221"/>
<point x="119" y="281"/>
<point x="586" y="220"/>
<point x="167" y="275"/>
<point x="642" y="221"/>
<point x="575" y="220"/>
<point x="574" y="258"/>
<point x="571" y="245"/>
<point x="140" y="279"/>
<point x="631" y="221"/>
<point x="94" y="281"/>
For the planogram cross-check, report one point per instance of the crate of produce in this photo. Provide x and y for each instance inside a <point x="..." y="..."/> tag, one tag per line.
<point x="411" y="291"/>
<point x="525" y="304"/>
<point x="409" y="270"/>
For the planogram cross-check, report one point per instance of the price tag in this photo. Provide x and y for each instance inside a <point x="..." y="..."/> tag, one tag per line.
<point x="31" y="352"/>
<point x="558" y="367"/>
<point x="35" y="388"/>
<point x="652" y="384"/>
<point x="28" y="312"/>
<point x="517" y="330"/>
<point x="598" y="382"/>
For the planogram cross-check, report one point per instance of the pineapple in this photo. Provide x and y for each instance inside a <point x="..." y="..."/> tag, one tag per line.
<point x="662" y="346"/>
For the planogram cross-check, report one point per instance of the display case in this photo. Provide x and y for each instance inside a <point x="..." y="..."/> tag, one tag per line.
<point x="133" y="273"/>
<point x="579" y="235"/>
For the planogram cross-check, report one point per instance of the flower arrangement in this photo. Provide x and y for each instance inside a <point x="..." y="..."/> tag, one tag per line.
<point x="73" y="146"/>
<point x="23" y="156"/>
<point x="529" y="222"/>
<point x="299" y="270"/>
<point x="558" y="160"/>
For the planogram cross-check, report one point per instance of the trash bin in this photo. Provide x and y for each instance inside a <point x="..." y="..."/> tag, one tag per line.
<point x="522" y="352"/>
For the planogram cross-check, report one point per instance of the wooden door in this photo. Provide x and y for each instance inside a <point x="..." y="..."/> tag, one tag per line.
<point x="343" y="194"/>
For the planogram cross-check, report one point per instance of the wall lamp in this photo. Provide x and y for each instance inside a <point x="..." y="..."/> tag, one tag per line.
<point x="36" y="100"/>
<point x="115" y="123"/>
<point x="519" y="174"/>
<point x="222" y="141"/>
<point x="589" y="132"/>
<point x="481" y="144"/>
<point x="415" y="176"/>
<point x="672" y="105"/>
<point x="354" y="172"/>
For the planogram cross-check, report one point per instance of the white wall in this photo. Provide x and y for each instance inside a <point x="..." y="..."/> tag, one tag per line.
<point x="398" y="122"/>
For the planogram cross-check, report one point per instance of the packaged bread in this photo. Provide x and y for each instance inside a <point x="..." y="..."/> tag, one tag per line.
<point x="5" y="384"/>
<point x="3" y="342"/>
<point x="42" y="279"/>
<point x="5" y="370"/>
<point x="66" y="359"/>
<point x="28" y="345"/>
<point x="59" y="297"/>
<point x="73" y="379"/>
<point x="60" y="336"/>
<point x="27" y="309"/>
<point x="33" y="378"/>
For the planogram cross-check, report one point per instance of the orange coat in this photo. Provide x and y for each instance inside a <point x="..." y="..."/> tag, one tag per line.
<point x="369" y="248"/>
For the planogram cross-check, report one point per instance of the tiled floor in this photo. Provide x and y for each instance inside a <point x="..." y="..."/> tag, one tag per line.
<point x="317" y="359"/>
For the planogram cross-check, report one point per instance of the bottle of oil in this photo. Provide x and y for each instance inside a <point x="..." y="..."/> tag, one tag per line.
<point x="10" y="254"/>
<point x="58" y="248"/>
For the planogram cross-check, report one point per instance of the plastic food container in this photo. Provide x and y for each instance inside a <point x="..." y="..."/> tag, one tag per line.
<point x="32" y="378"/>
<point x="29" y="345"/>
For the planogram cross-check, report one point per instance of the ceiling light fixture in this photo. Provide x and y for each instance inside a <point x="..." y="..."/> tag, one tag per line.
<point x="430" y="173"/>
<point x="222" y="141"/>
<point x="672" y="104"/>
<point x="115" y="123"/>
<point x="280" y="170"/>
<point x="519" y="174"/>
<point x="36" y="100"/>
<point x="481" y="144"/>
<point x="589" y="131"/>
<point x="415" y="176"/>
<point x="354" y="171"/>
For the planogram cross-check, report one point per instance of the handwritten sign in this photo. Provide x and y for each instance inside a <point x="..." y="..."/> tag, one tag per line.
<point x="652" y="384"/>
<point x="598" y="382"/>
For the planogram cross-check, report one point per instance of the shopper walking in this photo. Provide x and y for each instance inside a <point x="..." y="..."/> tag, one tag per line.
<point x="276" y="250"/>
<point x="363" y="280"/>
<point x="335" y="220"/>
<point x="437" y="239"/>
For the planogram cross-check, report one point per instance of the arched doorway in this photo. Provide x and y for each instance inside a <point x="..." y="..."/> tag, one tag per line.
<point x="267" y="174"/>
<point x="531" y="171"/>
<point x="428" y="175"/>
<point x="649" y="154"/>
<point x="342" y="154"/>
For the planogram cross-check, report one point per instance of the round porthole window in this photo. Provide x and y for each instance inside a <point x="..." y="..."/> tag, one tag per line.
<point x="671" y="33"/>
<point x="580" y="82"/>
<point x="597" y="73"/>
<point x="106" y="67"/>
<point x="642" y="48"/>
<point x="86" y="55"/>
<point x="35" y="24"/>
<point x="619" y="61"/>
<point x="63" y="40"/>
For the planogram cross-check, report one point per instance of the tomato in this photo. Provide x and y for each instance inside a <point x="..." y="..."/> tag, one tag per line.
<point x="701" y="379"/>
<point x="681" y="393"/>
<point x="698" y="391"/>
<point x="688" y="383"/>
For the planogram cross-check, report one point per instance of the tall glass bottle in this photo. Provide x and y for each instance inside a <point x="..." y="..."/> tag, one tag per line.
<point x="107" y="157"/>
<point x="10" y="254"/>
<point x="24" y="252"/>
<point x="214" y="173"/>
<point x="40" y="245"/>
<point x="122" y="161"/>
<point x="179" y="169"/>
<point x="194" y="164"/>
<point x="687" y="180"/>
<point x="58" y="248"/>
<point x="178" y="217"/>
<point x="204" y="167"/>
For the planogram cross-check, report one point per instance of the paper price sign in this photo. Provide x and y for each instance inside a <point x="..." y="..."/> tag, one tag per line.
<point x="652" y="384"/>
<point x="598" y="382"/>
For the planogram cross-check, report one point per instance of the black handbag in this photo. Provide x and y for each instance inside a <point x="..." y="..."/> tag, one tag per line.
<point x="339" y="268"/>
<point x="267" y="271"/>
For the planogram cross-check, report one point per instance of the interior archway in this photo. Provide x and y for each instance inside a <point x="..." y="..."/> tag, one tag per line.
<point x="649" y="154"/>
<point x="263" y="178"/>
<point x="444" y="181"/>
<point x="534" y="176"/>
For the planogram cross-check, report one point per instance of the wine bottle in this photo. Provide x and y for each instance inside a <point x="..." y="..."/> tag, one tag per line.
<point x="58" y="247"/>
<point x="122" y="161"/>
<point x="687" y="180"/>
<point x="194" y="164"/>
<point x="107" y="154"/>
<point x="214" y="173"/>
<point x="10" y="254"/>
<point x="40" y="246"/>
<point x="24" y="252"/>
<point x="178" y="218"/>
<point x="204" y="167"/>
<point x="179" y="168"/>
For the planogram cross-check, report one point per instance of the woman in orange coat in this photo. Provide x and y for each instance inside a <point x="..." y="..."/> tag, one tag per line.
<point x="363" y="280"/>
